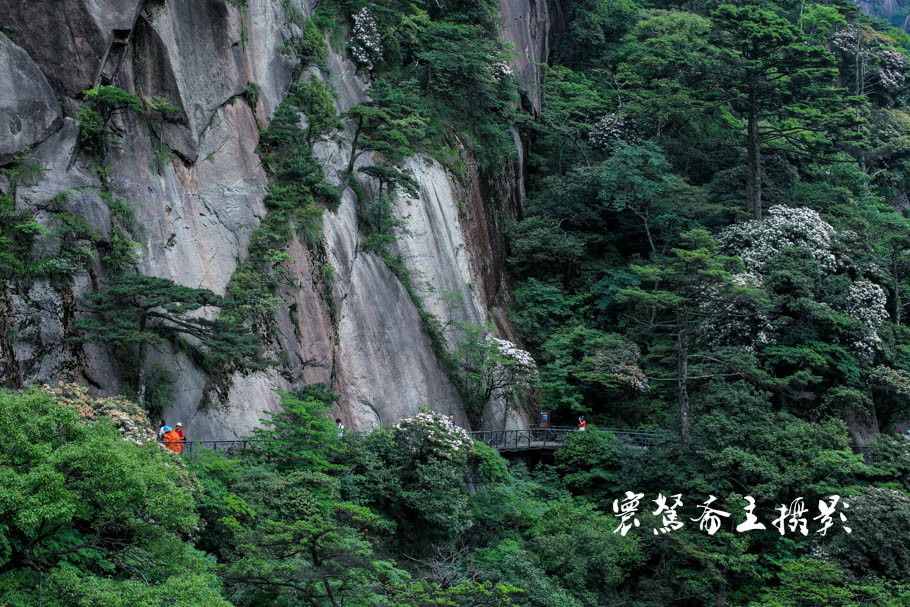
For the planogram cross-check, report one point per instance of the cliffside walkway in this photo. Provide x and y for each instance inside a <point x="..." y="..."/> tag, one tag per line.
<point x="530" y="439"/>
<point x="536" y="439"/>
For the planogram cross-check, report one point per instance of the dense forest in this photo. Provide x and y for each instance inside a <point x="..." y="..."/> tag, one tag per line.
<point x="715" y="247"/>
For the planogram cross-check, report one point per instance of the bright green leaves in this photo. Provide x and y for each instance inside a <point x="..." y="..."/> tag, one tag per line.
<point x="100" y="518"/>
<point x="300" y="436"/>
<point x="392" y="122"/>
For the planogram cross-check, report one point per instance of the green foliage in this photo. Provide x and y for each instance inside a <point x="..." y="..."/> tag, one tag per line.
<point x="91" y="519"/>
<point x="251" y="93"/>
<point x="123" y="253"/>
<point x="300" y="436"/>
<point x="464" y="74"/>
<point x="307" y="47"/>
<point x="133" y="311"/>
<point x="485" y="372"/>
<point x="877" y="519"/>
<point x="296" y="186"/>
<point x="315" y="100"/>
<point x="159" y="391"/>
<point x="102" y="104"/>
<point x="589" y="464"/>
<point x="392" y="122"/>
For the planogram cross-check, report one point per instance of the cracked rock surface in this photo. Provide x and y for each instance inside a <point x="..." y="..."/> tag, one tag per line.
<point x="196" y="186"/>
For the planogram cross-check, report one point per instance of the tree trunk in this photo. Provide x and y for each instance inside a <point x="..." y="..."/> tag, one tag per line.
<point x="897" y="292"/>
<point x="140" y="372"/>
<point x="682" y="375"/>
<point x="753" y="158"/>
<point x="354" y="149"/>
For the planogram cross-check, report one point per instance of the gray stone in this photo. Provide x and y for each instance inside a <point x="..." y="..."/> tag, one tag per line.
<point x="191" y="54"/>
<point x="198" y="219"/>
<point x="271" y="69"/>
<point x="526" y="24"/>
<point x="69" y="40"/>
<point x="29" y="112"/>
<point x="38" y="315"/>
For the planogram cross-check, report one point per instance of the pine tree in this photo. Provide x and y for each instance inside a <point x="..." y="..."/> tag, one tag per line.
<point x="137" y="310"/>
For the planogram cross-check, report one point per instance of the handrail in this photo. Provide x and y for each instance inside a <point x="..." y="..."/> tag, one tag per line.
<point x="526" y="439"/>
<point x="553" y="437"/>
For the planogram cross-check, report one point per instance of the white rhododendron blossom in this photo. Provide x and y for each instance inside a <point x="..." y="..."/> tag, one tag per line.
<point x="891" y="68"/>
<point x="758" y="242"/>
<point x="366" y="43"/>
<point x="610" y="129"/>
<point x="726" y="321"/>
<point x="524" y="363"/>
<point x="514" y="369"/>
<point x="866" y="302"/>
<point x="433" y="434"/>
<point x="502" y="70"/>
<point x="846" y="40"/>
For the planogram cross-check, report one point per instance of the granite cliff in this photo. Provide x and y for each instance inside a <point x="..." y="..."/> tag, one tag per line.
<point x="196" y="188"/>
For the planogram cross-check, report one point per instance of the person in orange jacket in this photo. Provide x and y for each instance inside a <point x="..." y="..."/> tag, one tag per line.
<point x="172" y="441"/>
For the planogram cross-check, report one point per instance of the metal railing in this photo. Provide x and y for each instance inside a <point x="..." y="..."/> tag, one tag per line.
<point x="532" y="438"/>
<point x="554" y="437"/>
<point x="230" y="448"/>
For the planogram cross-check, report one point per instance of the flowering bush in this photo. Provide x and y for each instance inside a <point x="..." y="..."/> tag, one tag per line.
<point x="520" y="363"/>
<point x="866" y="302"/>
<point x="758" y="242"/>
<point x="610" y="129"/>
<point x="891" y="68"/>
<point x="846" y="40"/>
<point x="730" y="321"/>
<point x="128" y="417"/>
<point x="366" y="43"/>
<point x="431" y="434"/>
<point x="502" y="70"/>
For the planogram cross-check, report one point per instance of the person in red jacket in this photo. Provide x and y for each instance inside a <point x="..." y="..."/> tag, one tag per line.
<point x="581" y="422"/>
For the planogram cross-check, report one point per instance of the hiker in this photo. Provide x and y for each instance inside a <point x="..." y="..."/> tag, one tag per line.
<point x="172" y="440"/>
<point x="452" y="420"/>
<point x="340" y="427"/>
<point x="161" y="430"/>
<point x="179" y="430"/>
<point x="581" y="422"/>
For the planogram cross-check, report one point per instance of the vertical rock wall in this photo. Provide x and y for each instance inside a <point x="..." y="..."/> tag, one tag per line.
<point x="197" y="187"/>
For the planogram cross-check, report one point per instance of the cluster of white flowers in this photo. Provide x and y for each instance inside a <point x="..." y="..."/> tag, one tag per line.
<point x="366" y="43"/>
<point x="610" y="129"/>
<point x="866" y="302"/>
<point x="429" y="430"/>
<point x="725" y="320"/>
<point x="891" y="68"/>
<point x="502" y="70"/>
<point x="524" y="362"/>
<point x="621" y="364"/>
<point x="758" y="242"/>
<point x="846" y="40"/>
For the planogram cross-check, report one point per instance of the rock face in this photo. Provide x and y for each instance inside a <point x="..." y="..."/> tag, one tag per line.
<point x="29" y="112"/>
<point x="69" y="40"/>
<point x="885" y="9"/>
<point x="196" y="188"/>
<point x="526" y="24"/>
